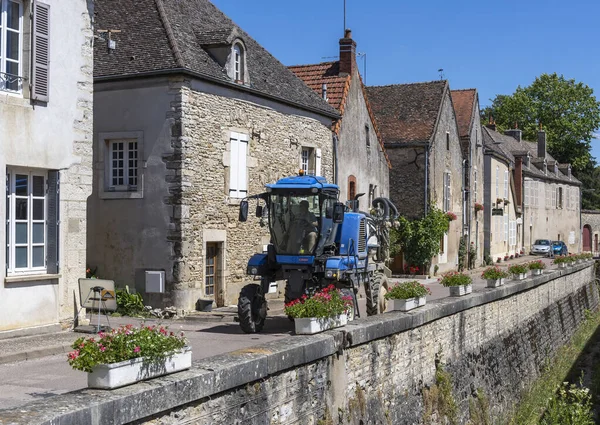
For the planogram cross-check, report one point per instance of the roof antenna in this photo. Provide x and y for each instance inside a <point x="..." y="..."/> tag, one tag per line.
<point x="363" y="55"/>
<point x="441" y="71"/>
<point x="344" y="29"/>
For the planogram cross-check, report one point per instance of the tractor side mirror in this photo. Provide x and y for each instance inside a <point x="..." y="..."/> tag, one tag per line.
<point x="338" y="212"/>
<point x="259" y="210"/>
<point x="243" y="211"/>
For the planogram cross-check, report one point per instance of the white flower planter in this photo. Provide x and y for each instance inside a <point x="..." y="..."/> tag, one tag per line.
<point x="494" y="283"/>
<point x="115" y="375"/>
<point x="562" y="265"/>
<point x="313" y="325"/>
<point x="405" y="305"/>
<point x="537" y="272"/>
<point x="519" y="276"/>
<point x="459" y="291"/>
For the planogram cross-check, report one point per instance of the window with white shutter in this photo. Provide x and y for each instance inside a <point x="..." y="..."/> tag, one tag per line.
<point x="238" y="171"/>
<point x="318" y="163"/>
<point x="497" y="182"/>
<point x="11" y="45"/>
<point x="526" y="201"/>
<point x="40" y="78"/>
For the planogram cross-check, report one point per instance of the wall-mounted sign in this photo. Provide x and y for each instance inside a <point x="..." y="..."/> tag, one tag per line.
<point x="497" y="211"/>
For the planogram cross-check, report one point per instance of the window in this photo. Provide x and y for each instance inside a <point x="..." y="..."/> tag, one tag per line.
<point x="26" y="215"/>
<point x="447" y="140"/>
<point x="442" y="245"/>
<point x="367" y="137"/>
<point x="11" y="45"/>
<point x="559" y="197"/>
<point x="513" y="233"/>
<point x="211" y="268"/>
<point x="505" y="184"/>
<point x="123" y="164"/>
<point x="527" y="187"/>
<point x="447" y="194"/>
<point x="238" y="172"/>
<point x="310" y="161"/>
<point x="497" y="182"/>
<point x="568" y="197"/>
<point x="553" y="198"/>
<point x="238" y="63"/>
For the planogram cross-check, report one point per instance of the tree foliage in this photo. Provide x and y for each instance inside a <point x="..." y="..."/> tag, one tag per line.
<point x="420" y="239"/>
<point x="568" y="111"/>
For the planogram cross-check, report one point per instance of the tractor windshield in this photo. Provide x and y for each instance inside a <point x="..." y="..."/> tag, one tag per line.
<point x="295" y="222"/>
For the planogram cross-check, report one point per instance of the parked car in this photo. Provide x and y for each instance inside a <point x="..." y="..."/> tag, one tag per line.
<point x="541" y="247"/>
<point x="559" y="248"/>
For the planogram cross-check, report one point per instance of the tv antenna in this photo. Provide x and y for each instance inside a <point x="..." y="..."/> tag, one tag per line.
<point x="363" y="55"/>
<point x="344" y="29"/>
<point x="441" y="71"/>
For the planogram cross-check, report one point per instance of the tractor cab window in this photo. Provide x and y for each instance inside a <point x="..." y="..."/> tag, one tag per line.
<point x="295" y="222"/>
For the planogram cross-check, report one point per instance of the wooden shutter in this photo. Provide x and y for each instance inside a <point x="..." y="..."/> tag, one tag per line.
<point x="238" y="175"/>
<point x="242" y="186"/>
<point x="53" y="223"/>
<point x="233" y="166"/>
<point x="40" y="79"/>
<point x="318" y="162"/>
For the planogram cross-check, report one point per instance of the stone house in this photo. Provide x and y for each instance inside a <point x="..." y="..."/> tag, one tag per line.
<point x="590" y="231"/>
<point x="198" y="115"/>
<point x="466" y="106"/>
<point x="361" y="164"/>
<point x="46" y="153"/>
<point x="420" y="133"/>
<point x="547" y="195"/>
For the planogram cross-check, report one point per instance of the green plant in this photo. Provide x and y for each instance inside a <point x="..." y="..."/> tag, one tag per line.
<point x="536" y="265"/>
<point x="494" y="273"/>
<point x="570" y="406"/>
<point x="130" y="304"/>
<point x="328" y="302"/>
<point x="563" y="259"/>
<point x="406" y="290"/>
<point x="90" y="273"/>
<point x="455" y="279"/>
<point x="435" y="269"/>
<point x="124" y="343"/>
<point x="462" y="254"/>
<point x="419" y="239"/>
<point x="517" y="269"/>
<point x="439" y="398"/>
<point x="472" y="256"/>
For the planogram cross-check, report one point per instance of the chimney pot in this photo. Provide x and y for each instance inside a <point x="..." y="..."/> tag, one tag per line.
<point x="348" y="33"/>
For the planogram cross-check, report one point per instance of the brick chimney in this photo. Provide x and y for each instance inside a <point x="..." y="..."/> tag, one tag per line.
<point x="541" y="143"/>
<point x="347" y="53"/>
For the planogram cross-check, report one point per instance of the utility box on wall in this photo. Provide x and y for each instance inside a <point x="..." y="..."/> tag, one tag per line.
<point x="155" y="281"/>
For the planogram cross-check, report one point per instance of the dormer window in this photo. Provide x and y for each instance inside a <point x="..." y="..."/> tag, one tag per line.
<point x="238" y="63"/>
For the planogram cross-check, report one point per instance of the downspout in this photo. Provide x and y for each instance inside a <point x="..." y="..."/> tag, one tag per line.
<point x="470" y="205"/>
<point x="464" y="201"/>
<point x="426" y="177"/>
<point x="335" y="159"/>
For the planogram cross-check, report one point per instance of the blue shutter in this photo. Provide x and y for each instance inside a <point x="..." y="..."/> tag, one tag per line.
<point x="40" y="81"/>
<point x="53" y="223"/>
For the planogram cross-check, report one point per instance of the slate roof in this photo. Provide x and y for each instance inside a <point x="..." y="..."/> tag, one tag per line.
<point x="161" y="36"/>
<point x="509" y="147"/>
<point x="464" y="101"/>
<point x="407" y="112"/>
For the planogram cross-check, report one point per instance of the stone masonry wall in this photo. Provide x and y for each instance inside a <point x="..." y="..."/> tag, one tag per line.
<point x="407" y="180"/>
<point x="207" y="213"/>
<point x="376" y="370"/>
<point x="592" y="219"/>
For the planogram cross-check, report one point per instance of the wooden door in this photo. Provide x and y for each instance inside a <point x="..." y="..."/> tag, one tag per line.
<point x="587" y="238"/>
<point x="212" y="275"/>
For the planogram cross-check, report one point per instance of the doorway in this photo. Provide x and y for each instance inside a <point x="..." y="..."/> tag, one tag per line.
<point x="213" y="284"/>
<point x="587" y="238"/>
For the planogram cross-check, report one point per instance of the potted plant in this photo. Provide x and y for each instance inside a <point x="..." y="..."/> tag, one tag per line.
<point x="478" y="207"/>
<point x="506" y="202"/>
<point x="506" y="257"/>
<point x="522" y="252"/>
<point x="499" y="201"/>
<point x="406" y="296"/>
<point x="537" y="267"/>
<point x="561" y="261"/>
<point x="519" y="271"/>
<point x="451" y="216"/>
<point x="459" y="284"/>
<point x="498" y="260"/>
<point x="494" y="276"/>
<point x="127" y="355"/>
<point x="325" y="309"/>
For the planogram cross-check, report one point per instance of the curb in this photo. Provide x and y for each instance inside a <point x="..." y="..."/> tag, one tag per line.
<point x="35" y="354"/>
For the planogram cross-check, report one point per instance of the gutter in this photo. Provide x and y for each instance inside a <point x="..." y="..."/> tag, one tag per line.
<point x="199" y="75"/>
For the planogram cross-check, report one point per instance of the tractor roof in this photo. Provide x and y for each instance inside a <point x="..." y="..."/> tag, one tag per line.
<point x="302" y="182"/>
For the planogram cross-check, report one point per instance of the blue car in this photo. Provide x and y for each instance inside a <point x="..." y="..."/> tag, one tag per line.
<point x="559" y="248"/>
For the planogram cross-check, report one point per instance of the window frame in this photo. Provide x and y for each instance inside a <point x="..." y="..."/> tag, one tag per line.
<point x="367" y="136"/>
<point x="104" y="165"/>
<point x="11" y="221"/>
<point x="3" y="44"/>
<point x="126" y="186"/>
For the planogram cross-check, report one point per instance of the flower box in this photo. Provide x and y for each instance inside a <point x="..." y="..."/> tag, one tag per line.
<point x="115" y="375"/>
<point x="562" y="265"/>
<point x="406" y="304"/>
<point x="314" y="325"/>
<point x="519" y="276"/>
<point x="459" y="291"/>
<point x="537" y="272"/>
<point x="494" y="283"/>
<point x="421" y="301"/>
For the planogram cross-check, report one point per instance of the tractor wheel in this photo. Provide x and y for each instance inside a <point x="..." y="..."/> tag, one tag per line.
<point x="252" y="309"/>
<point x="375" y="291"/>
<point x="350" y="293"/>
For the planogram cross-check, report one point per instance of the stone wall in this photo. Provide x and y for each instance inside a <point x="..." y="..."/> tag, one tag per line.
<point x="407" y="179"/>
<point x="476" y="182"/>
<point x="591" y="218"/>
<point x="375" y="370"/>
<point x="208" y="214"/>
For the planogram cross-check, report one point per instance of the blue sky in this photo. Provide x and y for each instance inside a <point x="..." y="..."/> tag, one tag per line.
<point x="492" y="46"/>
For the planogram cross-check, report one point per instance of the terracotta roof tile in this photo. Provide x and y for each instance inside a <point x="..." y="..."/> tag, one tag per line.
<point x="314" y="76"/>
<point x="407" y="112"/>
<point x="463" y="101"/>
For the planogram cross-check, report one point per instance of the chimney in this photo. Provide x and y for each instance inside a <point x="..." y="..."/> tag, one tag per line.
<point x="515" y="133"/>
<point x="491" y="123"/>
<point x="541" y="143"/>
<point x="347" y="53"/>
<point x="324" y="90"/>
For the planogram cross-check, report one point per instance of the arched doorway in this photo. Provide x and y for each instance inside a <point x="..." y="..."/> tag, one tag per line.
<point x="587" y="238"/>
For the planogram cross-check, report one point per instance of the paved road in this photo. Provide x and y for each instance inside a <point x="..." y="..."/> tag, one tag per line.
<point x="29" y="380"/>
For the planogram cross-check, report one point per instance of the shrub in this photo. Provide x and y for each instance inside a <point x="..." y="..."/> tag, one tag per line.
<point x="570" y="405"/>
<point x="123" y="344"/>
<point x="517" y="269"/>
<point x="455" y="279"/>
<point x="537" y="265"/>
<point x="406" y="290"/>
<point x="561" y="259"/>
<point x="494" y="273"/>
<point x="130" y="304"/>
<point x="328" y="302"/>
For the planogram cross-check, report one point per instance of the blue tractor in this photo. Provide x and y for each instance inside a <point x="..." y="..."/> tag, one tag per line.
<point x="315" y="241"/>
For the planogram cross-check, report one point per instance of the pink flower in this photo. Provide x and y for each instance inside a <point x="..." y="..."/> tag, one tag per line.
<point x="136" y="349"/>
<point x="102" y="348"/>
<point x="74" y="354"/>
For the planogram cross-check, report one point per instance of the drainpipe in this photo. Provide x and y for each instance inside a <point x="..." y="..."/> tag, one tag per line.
<point x="464" y="201"/>
<point x="335" y="160"/>
<point x="426" y="176"/>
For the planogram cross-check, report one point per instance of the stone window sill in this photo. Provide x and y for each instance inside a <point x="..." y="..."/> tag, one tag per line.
<point x="31" y="278"/>
<point x="121" y="195"/>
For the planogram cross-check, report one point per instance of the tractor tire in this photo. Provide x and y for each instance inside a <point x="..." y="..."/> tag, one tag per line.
<point x="252" y="309"/>
<point x="375" y="291"/>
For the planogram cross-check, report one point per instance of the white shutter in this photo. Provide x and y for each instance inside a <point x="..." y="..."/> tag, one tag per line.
<point x="505" y="184"/>
<point x="242" y="186"/>
<point x="553" y="198"/>
<point x="233" y="167"/>
<point x="40" y="87"/>
<point x="318" y="162"/>
<point x="506" y="227"/>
